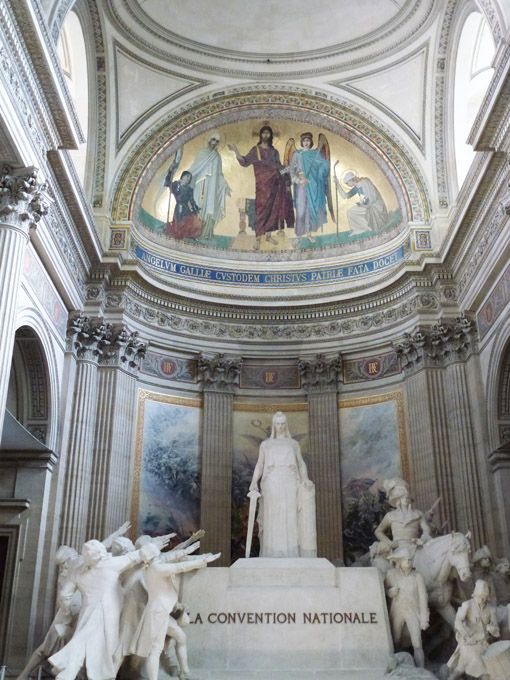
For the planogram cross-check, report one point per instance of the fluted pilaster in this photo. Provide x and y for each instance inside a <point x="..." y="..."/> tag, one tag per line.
<point x="113" y="440"/>
<point x="21" y="207"/>
<point x="431" y="469"/>
<point x="220" y="376"/>
<point x="320" y="378"/>
<point x="88" y="340"/>
<point x="444" y="447"/>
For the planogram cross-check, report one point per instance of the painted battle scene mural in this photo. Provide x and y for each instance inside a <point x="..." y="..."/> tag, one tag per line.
<point x="373" y="448"/>
<point x="279" y="185"/>
<point x="166" y="485"/>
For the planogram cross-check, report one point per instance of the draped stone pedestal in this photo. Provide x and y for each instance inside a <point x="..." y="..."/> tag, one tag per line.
<point x="287" y="618"/>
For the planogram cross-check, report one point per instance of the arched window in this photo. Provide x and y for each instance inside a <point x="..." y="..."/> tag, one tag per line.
<point x="473" y="73"/>
<point x="73" y="59"/>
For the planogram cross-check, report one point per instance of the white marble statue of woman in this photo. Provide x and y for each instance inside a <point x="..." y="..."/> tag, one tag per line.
<point x="286" y="515"/>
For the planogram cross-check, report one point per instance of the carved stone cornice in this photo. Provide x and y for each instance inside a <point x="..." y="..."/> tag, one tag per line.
<point x="321" y="374"/>
<point x="22" y="200"/>
<point x="436" y="346"/>
<point x="219" y="373"/>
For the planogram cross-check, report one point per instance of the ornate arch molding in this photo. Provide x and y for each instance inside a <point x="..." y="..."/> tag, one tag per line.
<point x="263" y="102"/>
<point x="454" y="17"/>
<point x="90" y="20"/>
<point x="504" y="397"/>
<point x="42" y="380"/>
<point x="498" y="388"/>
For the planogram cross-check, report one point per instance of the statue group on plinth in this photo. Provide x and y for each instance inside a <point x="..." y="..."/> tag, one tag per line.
<point x="126" y="613"/>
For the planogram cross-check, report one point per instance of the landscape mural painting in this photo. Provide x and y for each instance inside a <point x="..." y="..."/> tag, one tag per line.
<point x="252" y="424"/>
<point x="270" y="186"/>
<point x="166" y="481"/>
<point x="373" y="448"/>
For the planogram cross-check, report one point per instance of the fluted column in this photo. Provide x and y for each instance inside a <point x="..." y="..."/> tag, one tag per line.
<point x="320" y="378"/>
<point x="113" y="439"/>
<point x="21" y="207"/>
<point x="446" y="454"/>
<point x="220" y="377"/>
<point x="88" y="341"/>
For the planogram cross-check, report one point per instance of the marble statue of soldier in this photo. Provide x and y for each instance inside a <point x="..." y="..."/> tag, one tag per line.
<point x="158" y="576"/>
<point x="62" y="627"/>
<point x="474" y="623"/>
<point x="407" y="525"/>
<point x="95" y="642"/>
<point x="409" y="606"/>
<point x="483" y="567"/>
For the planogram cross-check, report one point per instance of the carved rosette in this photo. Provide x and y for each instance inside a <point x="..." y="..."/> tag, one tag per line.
<point x="22" y="199"/>
<point x="321" y="374"/>
<point x="95" y="340"/>
<point x="437" y="346"/>
<point x="219" y="373"/>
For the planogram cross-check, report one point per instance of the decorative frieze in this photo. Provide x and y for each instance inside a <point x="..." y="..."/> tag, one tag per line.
<point x="170" y="367"/>
<point x="219" y="372"/>
<point x="321" y="374"/>
<point x="371" y="368"/>
<point x="438" y="345"/>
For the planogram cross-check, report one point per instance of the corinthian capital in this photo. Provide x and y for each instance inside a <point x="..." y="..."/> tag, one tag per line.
<point x="126" y="350"/>
<point x="438" y="345"/>
<point x="219" y="373"/>
<point x="321" y="374"/>
<point x="22" y="200"/>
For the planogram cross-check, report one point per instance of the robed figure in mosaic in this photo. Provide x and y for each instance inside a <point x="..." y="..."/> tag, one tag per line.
<point x="273" y="196"/>
<point x="286" y="515"/>
<point x="309" y="170"/>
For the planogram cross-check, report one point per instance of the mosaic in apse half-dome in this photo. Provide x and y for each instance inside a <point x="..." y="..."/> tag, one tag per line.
<point x="279" y="186"/>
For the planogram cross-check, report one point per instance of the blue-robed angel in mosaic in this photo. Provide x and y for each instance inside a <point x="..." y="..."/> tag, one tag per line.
<point x="309" y="170"/>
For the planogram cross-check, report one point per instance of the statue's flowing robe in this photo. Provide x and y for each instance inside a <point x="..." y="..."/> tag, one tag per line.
<point x="95" y="642"/>
<point x="287" y="511"/>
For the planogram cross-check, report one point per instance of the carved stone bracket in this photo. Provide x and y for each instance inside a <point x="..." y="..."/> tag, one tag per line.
<point x="437" y="345"/>
<point x="95" y="340"/>
<point x="219" y="373"/>
<point x="22" y="198"/>
<point x="321" y="374"/>
<point x="500" y="457"/>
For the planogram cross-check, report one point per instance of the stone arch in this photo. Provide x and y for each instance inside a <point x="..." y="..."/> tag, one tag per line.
<point x="265" y="102"/>
<point x="503" y="397"/>
<point x="498" y="388"/>
<point x="33" y="385"/>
